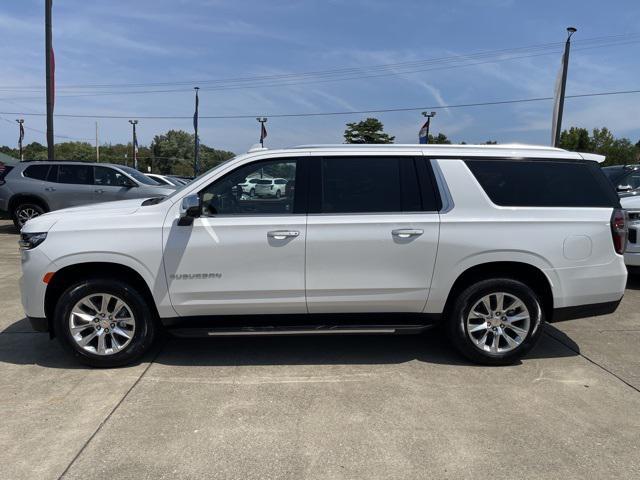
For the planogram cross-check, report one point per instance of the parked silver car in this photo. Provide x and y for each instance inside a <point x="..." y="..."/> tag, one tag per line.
<point x="30" y="189"/>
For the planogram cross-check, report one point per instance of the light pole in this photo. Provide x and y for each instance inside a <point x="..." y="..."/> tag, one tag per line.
<point x="424" y="131"/>
<point x="50" y="72"/>
<point x="20" y="137"/>
<point x="135" y="143"/>
<point x="196" y="153"/>
<point x="563" y="86"/>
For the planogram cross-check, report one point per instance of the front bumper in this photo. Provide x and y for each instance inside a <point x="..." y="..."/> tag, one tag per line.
<point x="32" y="287"/>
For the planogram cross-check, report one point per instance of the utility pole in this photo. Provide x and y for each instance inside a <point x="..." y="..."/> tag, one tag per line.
<point x="20" y="137"/>
<point x="423" y="136"/>
<point x="263" y="129"/>
<point x="196" y="146"/>
<point x="50" y="78"/>
<point x="135" y="144"/>
<point x="559" y="107"/>
<point x="97" y="145"/>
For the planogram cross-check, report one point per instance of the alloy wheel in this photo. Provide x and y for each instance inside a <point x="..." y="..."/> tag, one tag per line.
<point x="102" y="324"/>
<point x="26" y="213"/>
<point x="499" y="322"/>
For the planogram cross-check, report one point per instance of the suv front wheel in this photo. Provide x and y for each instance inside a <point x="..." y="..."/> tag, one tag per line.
<point x="104" y="322"/>
<point x="24" y="212"/>
<point x="496" y="321"/>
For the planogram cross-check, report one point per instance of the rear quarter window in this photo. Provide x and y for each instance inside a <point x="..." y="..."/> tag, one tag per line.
<point x="543" y="183"/>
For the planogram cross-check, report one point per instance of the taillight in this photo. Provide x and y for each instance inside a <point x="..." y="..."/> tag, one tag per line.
<point x="619" y="230"/>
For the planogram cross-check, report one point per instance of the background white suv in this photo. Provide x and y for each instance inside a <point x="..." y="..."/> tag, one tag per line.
<point x="274" y="187"/>
<point x="490" y="240"/>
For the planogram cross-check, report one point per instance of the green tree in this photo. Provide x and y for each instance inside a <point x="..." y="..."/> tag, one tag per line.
<point x="576" y="139"/>
<point x="367" y="131"/>
<point x="172" y="152"/>
<point x="35" y="151"/>
<point x="441" y="139"/>
<point x="601" y="141"/>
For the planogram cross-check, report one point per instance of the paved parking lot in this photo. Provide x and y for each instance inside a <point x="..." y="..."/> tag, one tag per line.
<point x="349" y="407"/>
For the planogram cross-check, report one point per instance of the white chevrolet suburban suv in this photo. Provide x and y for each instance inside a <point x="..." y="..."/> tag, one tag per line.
<point x="491" y="241"/>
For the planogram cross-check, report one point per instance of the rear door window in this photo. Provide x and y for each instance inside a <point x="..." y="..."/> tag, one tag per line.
<point x="37" y="172"/>
<point x="367" y="185"/>
<point x="75" y="174"/>
<point x="52" y="176"/>
<point x="543" y="183"/>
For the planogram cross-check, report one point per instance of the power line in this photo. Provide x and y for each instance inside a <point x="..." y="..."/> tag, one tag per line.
<point x="66" y="137"/>
<point x="602" y="40"/>
<point x="332" y="113"/>
<point x="396" y="69"/>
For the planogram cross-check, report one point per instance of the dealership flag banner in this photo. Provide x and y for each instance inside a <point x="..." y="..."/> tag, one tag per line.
<point x="423" y="135"/>
<point x="556" y="102"/>
<point x="263" y="132"/>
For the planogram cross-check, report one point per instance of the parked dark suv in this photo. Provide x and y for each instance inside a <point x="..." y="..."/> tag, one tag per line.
<point x="30" y="189"/>
<point x="625" y="179"/>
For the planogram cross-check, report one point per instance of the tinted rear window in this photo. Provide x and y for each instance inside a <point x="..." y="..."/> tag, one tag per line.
<point x="541" y="183"/>
<point x="38" y="172"/>
<point x="75" y="174"/>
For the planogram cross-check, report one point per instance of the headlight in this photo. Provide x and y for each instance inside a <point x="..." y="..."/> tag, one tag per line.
<point x="31" y="240"/>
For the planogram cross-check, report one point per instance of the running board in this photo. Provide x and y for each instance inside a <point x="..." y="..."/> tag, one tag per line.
<point x="297" y="330"/>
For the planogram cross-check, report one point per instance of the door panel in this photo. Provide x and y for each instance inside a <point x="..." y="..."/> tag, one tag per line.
<point x="73" y="187"/>
<point x="233" y="265"/>
<point x="110" y="185"/>
<point x="355" y="263"/>
<point x="371" y="243"/>
<point x="245" y="255"/>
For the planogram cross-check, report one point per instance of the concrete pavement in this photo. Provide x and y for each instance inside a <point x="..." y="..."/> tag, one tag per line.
<point x="342" y="407"/>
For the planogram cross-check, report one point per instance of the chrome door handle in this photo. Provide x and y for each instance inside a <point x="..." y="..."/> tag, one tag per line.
<point x="282" y="234"/>
<point x="99" y="190"/>
<point x="49" y="189"/>
<point x="407" y="232"/>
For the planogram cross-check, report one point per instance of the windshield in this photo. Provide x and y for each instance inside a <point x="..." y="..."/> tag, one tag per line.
<point x="138" y="176"/>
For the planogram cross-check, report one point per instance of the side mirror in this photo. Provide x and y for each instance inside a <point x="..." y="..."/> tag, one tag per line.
<point x="624" y="188"/>
<point x="190" y="208"/>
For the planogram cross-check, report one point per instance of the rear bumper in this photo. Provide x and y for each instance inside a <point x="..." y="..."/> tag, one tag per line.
<point x="632" y="259"/>
<point x="583" y="311"/>
<point x="588" y="285"/>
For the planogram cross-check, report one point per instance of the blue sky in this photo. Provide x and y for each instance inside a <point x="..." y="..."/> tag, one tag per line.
<point x="158" y="41"/>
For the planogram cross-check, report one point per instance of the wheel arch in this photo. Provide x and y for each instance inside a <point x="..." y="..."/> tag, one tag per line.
<point x="528" y="274"/>
<point x="22" y="197"/>
<point x="66" y="276"/>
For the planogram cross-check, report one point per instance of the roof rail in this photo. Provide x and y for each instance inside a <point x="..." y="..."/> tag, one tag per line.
<point x="429" y="145"/>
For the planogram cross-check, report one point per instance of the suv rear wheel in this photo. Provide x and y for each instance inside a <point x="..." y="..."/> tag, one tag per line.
<point x="24" y="212"/>
<point x="496" y="322"/>
<point x="104" y="322"/>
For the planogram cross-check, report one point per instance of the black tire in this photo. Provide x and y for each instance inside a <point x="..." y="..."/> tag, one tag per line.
<point x="457" y="325"/>
<point x="278" y="194"/>
<point x="145" y="323"/>
<point x="23" y="207"/>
